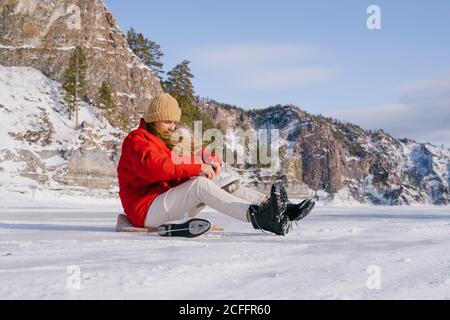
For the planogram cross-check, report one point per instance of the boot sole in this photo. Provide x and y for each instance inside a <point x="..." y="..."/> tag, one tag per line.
<point x="279" y="204"/>
<point x="191" y="228"/>
<point x="279" y="194"/>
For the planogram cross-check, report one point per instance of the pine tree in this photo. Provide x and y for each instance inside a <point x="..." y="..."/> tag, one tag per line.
<point x="179" y="85"/>
<point x="75" y="82"/>
<point x="106" y="101"/>
<point x="147" y="50"/>
<point x="179" y="82"/>
<point x="47" y="128"/>
<point x="131" y="39"/>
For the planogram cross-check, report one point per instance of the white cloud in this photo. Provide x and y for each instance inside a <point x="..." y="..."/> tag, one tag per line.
<point x="428" y="87"/>
<point x="283" y="77"/>
<point x="262" y="66"/>
<point x="423" y="112"/>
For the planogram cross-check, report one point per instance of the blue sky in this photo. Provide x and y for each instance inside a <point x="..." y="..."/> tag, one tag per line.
<point x="318" y="55"/>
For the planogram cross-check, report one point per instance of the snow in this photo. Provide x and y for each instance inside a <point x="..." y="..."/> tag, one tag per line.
<point x="343" y="197"/>
<point x="25" y="93"/>
<point x="353" y="158"/>
<point x="143" y="66"/>
<point x="330" y="255"/>
<point x="66" y="48"/>
<point x="127" y="95"/>
<point x="15" y="47"/>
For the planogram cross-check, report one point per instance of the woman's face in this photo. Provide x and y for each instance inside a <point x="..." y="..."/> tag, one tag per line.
<point x="166" y="126"/>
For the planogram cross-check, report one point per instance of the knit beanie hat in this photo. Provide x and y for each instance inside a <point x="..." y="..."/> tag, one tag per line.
<point x="163" y="108"/>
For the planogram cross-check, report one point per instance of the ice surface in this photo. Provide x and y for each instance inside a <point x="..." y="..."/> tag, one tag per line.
<point x="327" y="257"/>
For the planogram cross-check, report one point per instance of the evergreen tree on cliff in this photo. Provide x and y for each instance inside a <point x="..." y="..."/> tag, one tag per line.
<point x="180" y="86"/>
<point x="106" y="101"/>
<point x="147" y="50"/>
<point x="75" y="82"/>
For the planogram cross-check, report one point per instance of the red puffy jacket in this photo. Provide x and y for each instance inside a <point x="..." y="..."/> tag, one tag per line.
<point x="146" y="170"/>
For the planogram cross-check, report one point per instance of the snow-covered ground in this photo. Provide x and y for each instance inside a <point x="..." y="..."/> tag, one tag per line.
<point x="336" y="253"/>
<point x="38" y="140"/>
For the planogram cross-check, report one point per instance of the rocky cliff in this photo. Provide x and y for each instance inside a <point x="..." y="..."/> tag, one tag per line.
<point x="343" y="161"/>
<point x="43" y="34"/>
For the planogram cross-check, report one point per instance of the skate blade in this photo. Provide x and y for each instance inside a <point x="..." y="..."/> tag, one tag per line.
<point x="189" y="229"/>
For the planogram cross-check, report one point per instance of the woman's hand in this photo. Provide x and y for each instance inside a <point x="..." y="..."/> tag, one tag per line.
<point x="216" y="167"/>
<point x="208" y="171"/>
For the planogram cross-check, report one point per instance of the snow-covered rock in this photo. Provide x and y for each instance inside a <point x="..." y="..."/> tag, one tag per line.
<point x="40" y="148"/>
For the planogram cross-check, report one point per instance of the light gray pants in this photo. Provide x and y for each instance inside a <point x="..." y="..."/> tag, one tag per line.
<point x="189" y="198"/>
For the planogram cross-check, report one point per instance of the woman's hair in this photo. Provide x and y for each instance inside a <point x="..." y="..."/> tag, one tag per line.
<point x="167" y="139"/>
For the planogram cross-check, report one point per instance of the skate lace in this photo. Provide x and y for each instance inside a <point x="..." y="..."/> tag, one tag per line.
<point x="279" y="217"/>
<point x="259" y="227"/>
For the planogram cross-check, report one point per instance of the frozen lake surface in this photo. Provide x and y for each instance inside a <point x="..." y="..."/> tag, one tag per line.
<point x="61" y="250"/>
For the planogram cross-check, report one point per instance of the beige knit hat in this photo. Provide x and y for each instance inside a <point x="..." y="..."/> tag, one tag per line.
<point x="163" y="108"/>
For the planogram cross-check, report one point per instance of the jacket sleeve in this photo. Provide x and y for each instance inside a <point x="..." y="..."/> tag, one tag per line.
<point x="155" y="166"/>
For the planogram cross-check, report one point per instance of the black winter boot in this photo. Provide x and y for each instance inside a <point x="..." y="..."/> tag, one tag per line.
<point x="297" y="212"/>
<point x="270" y="215"/>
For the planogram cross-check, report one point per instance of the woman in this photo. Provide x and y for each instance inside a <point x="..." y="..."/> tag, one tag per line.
<point x="155" y="189"/>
